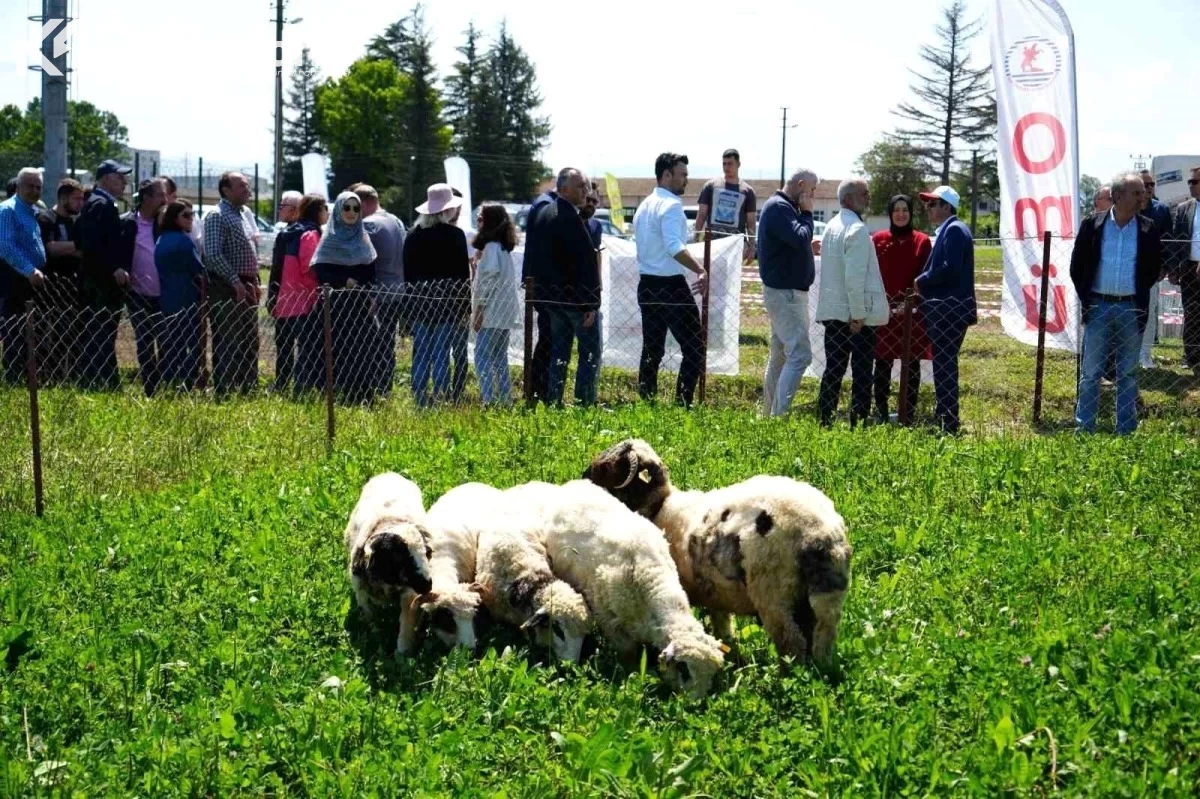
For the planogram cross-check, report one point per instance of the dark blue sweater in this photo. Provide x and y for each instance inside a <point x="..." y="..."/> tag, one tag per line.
<point x="785" y="258"/>
<point x="179" y="267"/>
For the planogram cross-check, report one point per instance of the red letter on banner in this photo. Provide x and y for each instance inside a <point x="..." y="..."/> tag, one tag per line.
<point x="1060" y="143"/>
<point x="1066" y="217"/>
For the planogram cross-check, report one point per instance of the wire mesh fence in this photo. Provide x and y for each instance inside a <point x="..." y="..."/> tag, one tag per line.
<point x="942" y="361"/>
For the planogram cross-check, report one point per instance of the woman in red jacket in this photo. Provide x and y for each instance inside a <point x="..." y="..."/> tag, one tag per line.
<point x="902" y="255"/>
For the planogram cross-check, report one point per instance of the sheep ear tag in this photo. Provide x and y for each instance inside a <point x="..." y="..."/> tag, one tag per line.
<point x="725" y="650"/>
<point x="644" y="476"/>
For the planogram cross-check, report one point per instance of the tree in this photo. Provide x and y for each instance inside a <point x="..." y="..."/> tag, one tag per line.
<point x="299" y="125"/>
<point x="93" y="135"/>
<point x="408" y="45"/>
<point x="360" y="119"/>
<point x="893" y="167"/>
<point x="1088" y="186"/>
<point x="512" y="83"/>
<point x="954" y="105"/>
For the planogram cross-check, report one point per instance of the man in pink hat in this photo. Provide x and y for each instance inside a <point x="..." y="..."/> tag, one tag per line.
<point x="947" y="290"/>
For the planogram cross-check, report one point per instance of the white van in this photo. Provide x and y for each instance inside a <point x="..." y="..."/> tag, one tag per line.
<point x="1171" y="174"/>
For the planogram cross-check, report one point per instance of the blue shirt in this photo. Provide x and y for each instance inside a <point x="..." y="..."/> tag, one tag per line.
<point x="20" y="237"/>
<point x="660" y="233"/>
<point x="1118" y="258"/>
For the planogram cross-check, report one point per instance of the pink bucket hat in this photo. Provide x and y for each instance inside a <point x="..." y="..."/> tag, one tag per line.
<point x="440" y="196"/>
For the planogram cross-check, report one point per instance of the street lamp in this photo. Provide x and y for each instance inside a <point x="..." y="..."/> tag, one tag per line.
<point x="277" y="176"/>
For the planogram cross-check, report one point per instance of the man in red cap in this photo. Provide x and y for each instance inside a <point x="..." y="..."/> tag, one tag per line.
<point x="947" y="290"/>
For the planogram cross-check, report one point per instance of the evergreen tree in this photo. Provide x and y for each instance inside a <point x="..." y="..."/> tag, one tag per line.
<point x="299" y="126"/>
<point x="954" y="106"/>
<point x="511" y="83"/>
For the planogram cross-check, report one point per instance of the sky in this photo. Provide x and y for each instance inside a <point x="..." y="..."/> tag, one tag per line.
<point x="621" y="82"/>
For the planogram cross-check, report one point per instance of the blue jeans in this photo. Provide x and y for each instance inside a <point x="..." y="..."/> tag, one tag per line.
<point x="566" y="324"/>
<point x="1111" y="327"/>
<point x="431" y="353"/>
<point x="491" y="364"/>
<point x="458" y="353"/>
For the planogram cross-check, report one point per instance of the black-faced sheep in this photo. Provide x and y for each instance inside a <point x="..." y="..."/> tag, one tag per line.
<point x="620" y="563"/>
<point x="768" y="546"/>
<point x="387" y="545"/>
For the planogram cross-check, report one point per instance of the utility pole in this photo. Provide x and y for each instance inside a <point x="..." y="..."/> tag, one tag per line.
<point x="277" y="171"/>
<point x="54" y="92"/>
<point x="974" y="189"/>
<point x="783" y="152"/>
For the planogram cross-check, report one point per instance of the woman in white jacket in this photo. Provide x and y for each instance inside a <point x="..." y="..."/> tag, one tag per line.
<point x="496" y="304"/>
<point x="851" y="304"/>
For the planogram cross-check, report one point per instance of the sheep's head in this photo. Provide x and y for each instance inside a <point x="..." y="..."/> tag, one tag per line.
<point x="395" y="558"/>
<point x="453" y="612"/>
<point x="562" y="620"/>
<point x="632" y="472"/>
<point x="690" y="663"/>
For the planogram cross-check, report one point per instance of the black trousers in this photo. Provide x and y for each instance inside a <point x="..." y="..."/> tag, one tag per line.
<point x="145" y="315"/>
<point x="540" y="366"/>
<point x="1189" y="287"/>
<point x="883" y="387"/>
<point x="300" y="352"/>
<point x="842" y="348"/>
<point x="97" y="365"/>
<point x="666" y="304"/>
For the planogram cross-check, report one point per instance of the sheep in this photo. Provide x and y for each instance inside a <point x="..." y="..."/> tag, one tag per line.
<point x="387" y="545"/>
<point x="455" y="598"/>
<point x="621" y="565"/>
<point x="768" y="546"/>
<point x="479" y="536"/>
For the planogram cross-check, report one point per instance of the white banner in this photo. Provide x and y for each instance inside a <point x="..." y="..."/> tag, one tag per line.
<point x="312" y="167"/>
<point x="1033" y="62"/>
<point x="458" y="175"/>
<point x="621" y="319"/>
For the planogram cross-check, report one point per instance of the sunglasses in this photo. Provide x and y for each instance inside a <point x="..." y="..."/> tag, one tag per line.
<point x="354" y="208"/>
<point x="187" y="215"/>
<point x="1149" y="184"/>
<point x="1193" y="182"/>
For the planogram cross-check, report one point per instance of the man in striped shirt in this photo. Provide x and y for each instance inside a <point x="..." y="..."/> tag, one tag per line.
<point x="22" y="257"/>
<point x="231" y="261"/>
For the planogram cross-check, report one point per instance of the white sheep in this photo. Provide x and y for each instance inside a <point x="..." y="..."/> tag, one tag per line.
<point x="620" y="563"/>
<point x="455" y="598"/>
<point x="768" y="546"/>
<point x="387" y="545"/>
<point x="483" y="553"/>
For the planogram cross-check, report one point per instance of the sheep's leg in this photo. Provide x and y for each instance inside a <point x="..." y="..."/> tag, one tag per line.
<point x="722" y="624"/>
<point x="406" y="641"/>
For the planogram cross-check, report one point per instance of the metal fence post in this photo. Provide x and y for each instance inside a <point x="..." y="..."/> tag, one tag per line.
<point x="1041" y="345"/>
<point x="328" y="325"/>
<point x="527" y="371"/>
<point x="906" y="359"/>
<point x="199" y="188"/>
<point x="704" y="295"/>
<point x="256" y="209"/>
<point x="202" y="377"/>
<point x="35" y="427"/>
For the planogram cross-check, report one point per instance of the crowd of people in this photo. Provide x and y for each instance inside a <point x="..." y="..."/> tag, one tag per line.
<point x="83" y="263"/>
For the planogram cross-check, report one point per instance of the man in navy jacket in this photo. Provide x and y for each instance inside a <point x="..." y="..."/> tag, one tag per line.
<point x="947" y="290"/>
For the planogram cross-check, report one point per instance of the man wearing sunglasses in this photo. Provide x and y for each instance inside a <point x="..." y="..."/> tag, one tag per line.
<point x="1185" y="267"/>
<point x="947" y="291"/>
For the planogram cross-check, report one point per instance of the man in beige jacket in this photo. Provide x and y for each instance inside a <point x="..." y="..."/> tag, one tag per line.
<point x="851" y="303"/>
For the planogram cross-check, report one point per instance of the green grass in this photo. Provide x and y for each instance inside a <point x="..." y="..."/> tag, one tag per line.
<point x="1022" y="616"/>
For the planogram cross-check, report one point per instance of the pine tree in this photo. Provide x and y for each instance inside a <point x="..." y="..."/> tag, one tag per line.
<point x="299" y="128"/>
<point x="512" y="83"/>
<point x="955" y="106"/>
<point x="425" y="138"/>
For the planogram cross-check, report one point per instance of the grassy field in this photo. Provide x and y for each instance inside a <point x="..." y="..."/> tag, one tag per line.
<point x="1022" y="616"/>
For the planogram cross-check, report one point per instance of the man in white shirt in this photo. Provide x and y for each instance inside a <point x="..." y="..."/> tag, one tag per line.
<point x="664" y="297"/>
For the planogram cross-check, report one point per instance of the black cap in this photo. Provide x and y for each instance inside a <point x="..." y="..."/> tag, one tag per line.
<point x="109" y="167"/>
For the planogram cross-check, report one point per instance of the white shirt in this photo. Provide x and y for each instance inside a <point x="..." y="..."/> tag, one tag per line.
<point x="1196" y="233"/>
<point x="660" y="233"/>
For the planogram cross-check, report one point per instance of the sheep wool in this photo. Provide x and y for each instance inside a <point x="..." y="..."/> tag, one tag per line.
<point x="455" y="598"/>
<point x="387" y="545"/>
<point x="621" y="565"/>
<point x="768" y="546"/>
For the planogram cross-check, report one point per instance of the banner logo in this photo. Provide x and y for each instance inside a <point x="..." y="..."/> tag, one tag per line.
<point x="1032" y="63"/>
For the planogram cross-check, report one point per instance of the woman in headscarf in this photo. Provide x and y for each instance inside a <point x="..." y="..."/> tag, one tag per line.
<point x="902" y="253"/>
<point x="345" y="261"/>
<point x="438" y="274"/>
